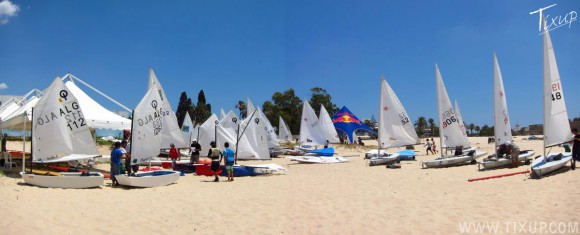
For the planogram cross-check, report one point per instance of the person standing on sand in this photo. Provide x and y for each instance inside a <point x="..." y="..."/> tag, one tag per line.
<point x="229" y="160"/>
<point x="173" y="154"/>
<point x="131" y="169"/>
<point x="514" y="151"/>
<point x="116" y="156"/>
<point x="575" y="148"/>
<point x="434" y="149"/>
<point x="429" y="145"/>
<point x="194" y="151"/>
<point x="215" y="154"/>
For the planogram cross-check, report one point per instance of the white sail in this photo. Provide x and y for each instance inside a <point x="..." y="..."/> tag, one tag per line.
<point x="148" y="125"/>
<point x="270" y="132"/>
<point x="556" y="124"/>
<point x="222" y="113"/>
<point x="187" y="128"/>
<point x="502" y="125"/>
<point x="327" y="126"/>
<point x="171" y="131"/>
<point x="283" y="131"/>
<point x="450" y="131"/>
<point x="60" y="130"/>
<point x="207" y="133"/>
<point x="310" y="131"/>
<point x="465" y="140"/>
<point x="396" y="129"/>
<point x="256" y="134"/>
<point x="249" y="108"/>
<point x="228" y="131"/>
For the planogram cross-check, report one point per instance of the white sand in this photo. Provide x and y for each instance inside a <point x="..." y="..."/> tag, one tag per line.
<point x="347" y="198"/>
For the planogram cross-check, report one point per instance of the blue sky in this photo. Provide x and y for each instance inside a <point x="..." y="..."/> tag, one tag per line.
<point x="238" y="49"/>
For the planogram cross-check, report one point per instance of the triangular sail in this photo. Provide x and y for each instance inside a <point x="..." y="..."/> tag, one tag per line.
<point x="310" y="132"/>
<point x="270" y="132"/>
<point x="60" y="129"/>
<point x="396" y="129"/>
<point x="327" y="126"/>
<point x="228" y="131"/>
<point x="502" y="125"/>
<point x="284" y="132"/>
<point x="207" y="133"/>
<point x="148" y="125"/>
<point x="222" y="113"/>
<point x="556" y="124"/>
<point x="256" y="134"/>
<point x="249" y="108"/>
<point x="451" y="134"/>
<point x="171" y="131"/>
<point x="187" y="128"/>
<point x="465" y="140"/>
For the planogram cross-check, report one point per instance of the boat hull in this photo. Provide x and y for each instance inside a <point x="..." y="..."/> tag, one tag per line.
<point x="541" y="168"/>
<point x="384" y="160"/>
<point x="149" y="179"/>
<point x="451" y="161"/>
<point x="485" y="165"/>
<point x="318" y="159"/>
<point x="65" y="180"/>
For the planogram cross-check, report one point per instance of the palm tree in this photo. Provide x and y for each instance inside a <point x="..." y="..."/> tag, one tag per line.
<point x="477" y="128"/>
<point x="432" y="126"/>
<point x="420" y="124"/>
<point x="471" y="128"/>
<point x="243" y="109"/>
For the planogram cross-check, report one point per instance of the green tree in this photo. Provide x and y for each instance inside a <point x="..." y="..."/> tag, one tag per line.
<point x="287" y="105"/>
<point x="241" y="105"/>
<point x="471" y="128"/>
<point x="420" y="125"/>
<point x="202" y="110"/>
<point x="183" y="106"/>
<point x="431" y="122"/>
<point x="321" y="97"/>
<point x="477" y="129"/>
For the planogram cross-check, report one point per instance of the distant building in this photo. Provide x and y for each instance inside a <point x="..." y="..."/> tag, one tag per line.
<point x="536" y="129"/>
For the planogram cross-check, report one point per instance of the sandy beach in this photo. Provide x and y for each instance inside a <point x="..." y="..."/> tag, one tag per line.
<point x="346" y="198"/>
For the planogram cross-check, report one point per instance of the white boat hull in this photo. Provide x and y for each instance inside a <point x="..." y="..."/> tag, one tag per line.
<point x="149" y="179"/>
<point x="541" y="168"/>
<point x="450" y="161"/>
<point x="319" y="159"/>
<point x="65" y="180"/>
<point x="384" y="159"/>
<point x="485" y="165"/>
<point x="269" y="169"/>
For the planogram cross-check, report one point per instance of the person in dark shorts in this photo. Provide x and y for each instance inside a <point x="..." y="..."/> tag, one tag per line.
<point x="116" y="157"/>
<point x="194" y="151"/>
<point x="216" y="156"/>
<point x="575" y="148"/>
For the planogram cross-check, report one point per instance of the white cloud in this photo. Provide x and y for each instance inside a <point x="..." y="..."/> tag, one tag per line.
<point x="3" y="86"/>
<point x="7" y="10"/>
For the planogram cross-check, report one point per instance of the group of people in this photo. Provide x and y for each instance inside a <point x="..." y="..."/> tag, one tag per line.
<point x="431" y="146"/>
<point x="119" y="153"/>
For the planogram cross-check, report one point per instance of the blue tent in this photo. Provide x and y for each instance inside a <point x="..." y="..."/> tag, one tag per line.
<point x="346" y="122"/>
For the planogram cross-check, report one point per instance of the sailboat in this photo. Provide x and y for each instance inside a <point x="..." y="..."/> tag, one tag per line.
<point x="451" y="133"/>
<point x="395" y="128"/>
<point x="556" y="124"/>
<point x="310" y="136"/>
<point x="60" y="133"/>
<point x="187" y="128"/>
<point x="327" y="126"/>
<point x="502" y="130"/>
<point x="284" y="133"/>
<point x="147" y="130"/>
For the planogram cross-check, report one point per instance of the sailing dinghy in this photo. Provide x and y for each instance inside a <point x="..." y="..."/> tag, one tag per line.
<point x="311" y="135"/>
<point x="556" y="125"/>
<point x="60" y="133"/>
<point x="452" y="134"/>
<point x="146" y="139"/>
<point x="395" y="128"/>
<point x="502" y="130"/>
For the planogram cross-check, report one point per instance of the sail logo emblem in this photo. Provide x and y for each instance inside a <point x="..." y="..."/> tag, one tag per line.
<point x="63" y="94"/>
<point x="554" y="22"/>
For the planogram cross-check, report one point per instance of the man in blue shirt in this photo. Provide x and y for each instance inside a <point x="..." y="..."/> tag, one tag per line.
<point x="229" y="160"/>
<point x="116" y="156"/>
